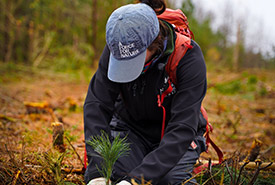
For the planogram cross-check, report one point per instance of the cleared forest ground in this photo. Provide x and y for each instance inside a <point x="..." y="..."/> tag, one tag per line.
<point x="240" y="106"/>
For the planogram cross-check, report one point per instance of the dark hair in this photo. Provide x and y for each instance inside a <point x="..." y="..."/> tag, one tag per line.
<point x="157" y="44"/>
<point x="158" y="5"/>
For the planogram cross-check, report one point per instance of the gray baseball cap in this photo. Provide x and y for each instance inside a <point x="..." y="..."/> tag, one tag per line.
<point x="129" y="31"/>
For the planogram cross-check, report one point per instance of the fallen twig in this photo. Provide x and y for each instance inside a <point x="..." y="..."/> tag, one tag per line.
<point x="258" y="171"/>
<point x="32" y="166"/>
<point x="16" y="177"/>
<point x="66" y="170"/>
<point x="212" y="176"/>
<point x="210" y="170"/>
<point x="76" y="171"/>
<point x="78" y="156"/>
<point x="229" y="172"/>
<point x="241" y="170"/>
<point x="194" y="176"/>
<point x="11" y="157"/>
<point x="250" y="165"/>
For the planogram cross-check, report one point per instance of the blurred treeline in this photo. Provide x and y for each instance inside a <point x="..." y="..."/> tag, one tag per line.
<point x="70" y="34"/>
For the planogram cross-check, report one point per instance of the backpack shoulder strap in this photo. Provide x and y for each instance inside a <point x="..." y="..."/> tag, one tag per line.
<point x="209" y="141"/>
<point x="183" y="40"/>
<point x="182" y="44"/>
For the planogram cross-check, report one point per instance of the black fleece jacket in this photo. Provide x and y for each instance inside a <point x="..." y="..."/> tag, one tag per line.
<point x="136" y="103"/>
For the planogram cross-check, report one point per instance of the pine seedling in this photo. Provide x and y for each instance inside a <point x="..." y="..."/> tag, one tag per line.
<point x="52" y="161"/>
<point x="109" y="152"/>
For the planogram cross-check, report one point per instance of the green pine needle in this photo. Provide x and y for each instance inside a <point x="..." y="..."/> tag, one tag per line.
<point x="109" y="151"/>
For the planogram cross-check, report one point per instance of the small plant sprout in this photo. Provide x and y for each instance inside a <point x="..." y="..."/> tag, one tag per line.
<point x="51" y="162"/>
<point x="109" y="151"/>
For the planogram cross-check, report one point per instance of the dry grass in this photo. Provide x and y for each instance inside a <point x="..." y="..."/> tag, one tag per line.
<point x="26" y="154"/>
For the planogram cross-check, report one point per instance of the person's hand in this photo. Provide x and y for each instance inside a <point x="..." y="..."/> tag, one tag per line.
<point x="124" y="183"/>
<point x="98" y="181"/>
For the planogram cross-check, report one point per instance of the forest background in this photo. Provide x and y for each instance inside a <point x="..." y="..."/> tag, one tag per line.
<point x="49" y="51"/>
<point x="69" y="35"/>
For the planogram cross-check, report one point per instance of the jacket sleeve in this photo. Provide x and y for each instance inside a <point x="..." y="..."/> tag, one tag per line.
<point x="182" y="126"/>
<point x="98" y="110"/>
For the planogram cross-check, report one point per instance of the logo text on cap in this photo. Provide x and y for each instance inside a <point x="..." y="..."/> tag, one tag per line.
<point x="125" y="50"/>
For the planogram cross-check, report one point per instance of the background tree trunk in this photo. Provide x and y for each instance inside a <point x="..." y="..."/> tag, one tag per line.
<point x="2" y="30"/>
<point x="94" y="31"/>
<point x="236" y="53"/>
<point x="31" y="41"/>
<point x="7" y="32"/>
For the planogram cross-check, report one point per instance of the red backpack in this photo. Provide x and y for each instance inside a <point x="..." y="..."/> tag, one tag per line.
<point x="182" y="44"/>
